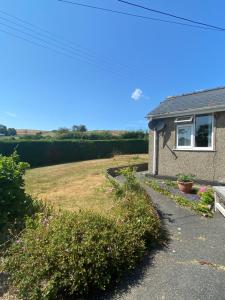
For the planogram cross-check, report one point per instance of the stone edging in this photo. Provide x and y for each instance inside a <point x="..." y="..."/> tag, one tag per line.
<point x="113" y="172"/>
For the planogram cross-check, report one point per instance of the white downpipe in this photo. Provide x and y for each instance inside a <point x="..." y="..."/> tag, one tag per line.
<point x="154" y="164"/>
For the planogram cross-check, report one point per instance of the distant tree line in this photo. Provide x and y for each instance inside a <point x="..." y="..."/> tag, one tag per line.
<point x="81" y="132"/>
<point x="102" y="135"/>
<point x="77" y="132"/>
<point x="7" y="131"/>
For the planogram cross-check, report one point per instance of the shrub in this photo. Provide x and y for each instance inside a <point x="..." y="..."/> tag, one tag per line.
<point x="134" y="207"/>
<point x="207" y="196"/>
<point x="139" y="134"/>
<point x="76" y="253"/>
<point x="72" y="253"/>
<point x="48" y="152"/>
<point x="14" y="202"/>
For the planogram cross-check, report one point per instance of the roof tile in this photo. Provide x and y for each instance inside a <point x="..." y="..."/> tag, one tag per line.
<point x="195" y="100"/>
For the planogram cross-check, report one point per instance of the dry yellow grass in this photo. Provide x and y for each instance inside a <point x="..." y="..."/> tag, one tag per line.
<point x="30" y="131"/>
<point x="77" y="185"/>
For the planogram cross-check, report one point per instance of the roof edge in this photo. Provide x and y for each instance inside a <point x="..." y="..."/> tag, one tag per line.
<point x="195" y="92"/>
<point x="188" y="111"/>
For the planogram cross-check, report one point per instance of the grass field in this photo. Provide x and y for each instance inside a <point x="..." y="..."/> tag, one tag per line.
<point x="78" y="185"/>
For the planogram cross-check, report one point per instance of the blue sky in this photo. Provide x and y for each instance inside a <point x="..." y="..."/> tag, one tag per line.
<point x="43" y="89"/>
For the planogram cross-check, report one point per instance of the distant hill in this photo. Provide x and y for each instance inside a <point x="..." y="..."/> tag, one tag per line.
<point x="44" y="132"/>
<point x="113" y="132"/>
<point x="24" y="132"/>
<point x="31" y="132"/>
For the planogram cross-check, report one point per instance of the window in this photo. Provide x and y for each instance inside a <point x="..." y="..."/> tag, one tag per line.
<point x="184" y="136"/>
<point x="197" y="134"/>
<point x="186" y="119"/>
<point x="203" y="131"/>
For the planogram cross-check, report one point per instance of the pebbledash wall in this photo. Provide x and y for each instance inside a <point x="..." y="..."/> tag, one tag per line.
<point x="206" y="165"/>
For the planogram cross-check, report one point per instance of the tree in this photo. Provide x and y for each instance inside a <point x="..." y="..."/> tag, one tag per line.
<point x="80" y="128"/>
<point x="11" y="131"/>
<point x="3" y="129"/>
<point x="62" y="130"/>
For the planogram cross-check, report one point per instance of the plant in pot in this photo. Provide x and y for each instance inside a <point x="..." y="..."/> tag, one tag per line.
<point x="185" y="182"/>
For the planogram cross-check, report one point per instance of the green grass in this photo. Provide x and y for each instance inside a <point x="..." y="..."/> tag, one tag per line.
<point x="79" y="185"/>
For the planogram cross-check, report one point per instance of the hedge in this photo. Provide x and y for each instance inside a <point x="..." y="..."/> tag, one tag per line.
<point x="42" y="153"/>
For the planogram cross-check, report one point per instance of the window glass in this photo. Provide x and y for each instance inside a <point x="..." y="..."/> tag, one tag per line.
<point x="203" y="131"/>
<point x="184" y="136"/>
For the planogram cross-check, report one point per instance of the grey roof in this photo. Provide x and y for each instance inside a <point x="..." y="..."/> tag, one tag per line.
<point x="195" y="101"/>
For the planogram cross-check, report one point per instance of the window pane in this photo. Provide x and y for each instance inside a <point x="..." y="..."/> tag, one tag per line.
<point x="184" y="136"/>
<point x="203" y="131"/>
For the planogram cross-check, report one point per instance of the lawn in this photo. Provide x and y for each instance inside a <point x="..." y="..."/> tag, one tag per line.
<point x="78" y="185"/>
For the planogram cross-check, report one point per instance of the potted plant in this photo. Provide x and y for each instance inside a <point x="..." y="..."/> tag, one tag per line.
<point x="185" y="182"/>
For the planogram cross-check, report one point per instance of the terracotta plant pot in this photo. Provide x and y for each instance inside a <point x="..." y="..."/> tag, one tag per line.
<point x="185" y="187"/>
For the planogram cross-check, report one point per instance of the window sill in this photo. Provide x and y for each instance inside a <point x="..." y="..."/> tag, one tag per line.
<point x="194" y="150"/>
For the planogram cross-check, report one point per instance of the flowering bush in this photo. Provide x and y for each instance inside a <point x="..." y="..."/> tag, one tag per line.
<point x="202" y="189"/>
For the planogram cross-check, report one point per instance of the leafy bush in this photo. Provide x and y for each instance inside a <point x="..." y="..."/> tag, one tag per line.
<point x="48" y="152"/>
<point x="207" y="196"/>
<point x="76" y="253"/>
<point x="71" y="253"/>
<point x="135" y="208"/>
<point x="14" y="202"/>
<point x="101" y="135"/>
<point x="80" y="135"/>
<point x="134" y="135"/>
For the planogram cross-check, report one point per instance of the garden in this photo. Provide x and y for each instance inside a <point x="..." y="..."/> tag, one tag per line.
<point x="56" y="247"/>
<point x="185" y="192"/>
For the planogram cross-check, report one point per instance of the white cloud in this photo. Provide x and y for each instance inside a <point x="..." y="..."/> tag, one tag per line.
<point x="137" y="94"/>
<point x="10" y="114"/>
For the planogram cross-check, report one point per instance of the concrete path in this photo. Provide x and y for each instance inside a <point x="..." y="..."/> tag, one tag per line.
<point x="192" y="267"/>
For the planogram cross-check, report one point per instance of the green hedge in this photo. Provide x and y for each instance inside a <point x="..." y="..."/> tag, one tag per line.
<point x="41" y="153"/>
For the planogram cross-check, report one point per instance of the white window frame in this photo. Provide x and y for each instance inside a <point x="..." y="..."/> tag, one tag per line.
<point x="187" y="119"/>
<point x="185" y="126"/>
<point x="192" y="147"/>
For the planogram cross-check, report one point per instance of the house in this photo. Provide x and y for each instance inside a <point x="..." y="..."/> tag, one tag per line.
<point x="188" y="135"/>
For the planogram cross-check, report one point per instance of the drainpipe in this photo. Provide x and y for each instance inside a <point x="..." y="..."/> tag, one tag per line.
<point x="154" y="163"/>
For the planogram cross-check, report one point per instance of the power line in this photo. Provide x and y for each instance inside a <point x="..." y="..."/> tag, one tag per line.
<point x="40" y="39"/>
<point x="64" y="49"/>
<point x="61" y="50"/>
<point x="30" y="41"/>
<point x="170" y="15"/>
<point x="138" y="16"/>
<point x="48" y="35"/>
<point x="80" y="51"/>
<point x="58" y="52"/>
